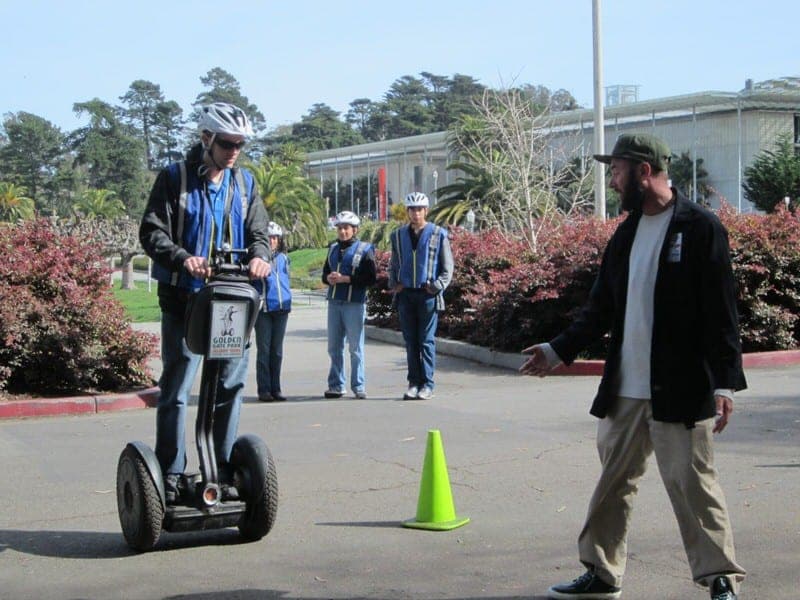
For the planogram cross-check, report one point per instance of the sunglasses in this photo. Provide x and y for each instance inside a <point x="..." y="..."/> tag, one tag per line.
<point x="228" y="145"/>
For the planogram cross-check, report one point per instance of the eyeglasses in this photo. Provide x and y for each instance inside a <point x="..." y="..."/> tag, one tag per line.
<point x="228" y="145"/>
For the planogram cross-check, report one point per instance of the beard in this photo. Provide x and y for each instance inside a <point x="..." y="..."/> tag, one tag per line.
<point x="632" y="197"/>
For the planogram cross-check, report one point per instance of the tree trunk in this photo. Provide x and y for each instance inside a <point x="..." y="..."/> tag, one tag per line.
<point x="127" y="272"/>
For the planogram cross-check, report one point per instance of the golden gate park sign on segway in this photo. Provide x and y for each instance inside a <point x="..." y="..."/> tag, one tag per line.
<point x="229" y="325"/>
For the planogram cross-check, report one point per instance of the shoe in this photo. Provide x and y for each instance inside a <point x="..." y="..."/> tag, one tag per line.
<point x="229" y="493"/>
<point x="411" y="393"/>
<point x="362" y="395"/>
<point x="172" y="489"/>
<point x="226" y="473"/>
<point x="588" y="586"/>
<point x="425" y="393"/>
<point x="278" y="397"/>
<point x="721" y="589"/>
<point x="334" y="393"/>
<point x="266" y="398"/>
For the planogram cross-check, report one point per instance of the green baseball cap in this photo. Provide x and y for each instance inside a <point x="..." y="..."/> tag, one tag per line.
<point x="639" y="147"/>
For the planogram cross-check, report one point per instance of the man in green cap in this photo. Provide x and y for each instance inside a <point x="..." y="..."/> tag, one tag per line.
<point x="665" y="293"/>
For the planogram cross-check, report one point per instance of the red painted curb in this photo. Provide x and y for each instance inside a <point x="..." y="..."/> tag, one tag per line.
<point x="78" y="405"/>
<point x="779" y="358"/>
<point x="750" y="360"/>
<point x="143" y="399"/>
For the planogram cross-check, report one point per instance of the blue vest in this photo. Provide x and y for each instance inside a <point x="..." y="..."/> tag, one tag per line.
<point x="421" y="266"/>
<point x="351" y="258"/>
<point x="195" y="219"/>
<point x="278" y="297"/>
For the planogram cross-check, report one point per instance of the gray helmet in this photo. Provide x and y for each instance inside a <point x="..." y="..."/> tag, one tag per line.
<point x="274" y="229"/>
<point x="221" y="117"/>
<point x="347" y="218"/>
<point x="417" y="199"/>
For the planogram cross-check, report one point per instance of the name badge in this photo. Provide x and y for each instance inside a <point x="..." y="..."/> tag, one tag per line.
<point x="674" y="254"/>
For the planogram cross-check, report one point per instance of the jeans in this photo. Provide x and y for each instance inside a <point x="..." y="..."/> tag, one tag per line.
<point x="179" y="370"/>
<point x="418" y="320"/>
<point x="270" y="331"/>
<point x="346" y="320"/>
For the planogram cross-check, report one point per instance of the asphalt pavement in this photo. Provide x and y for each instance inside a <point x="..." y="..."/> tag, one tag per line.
<point x="522" y="465"/>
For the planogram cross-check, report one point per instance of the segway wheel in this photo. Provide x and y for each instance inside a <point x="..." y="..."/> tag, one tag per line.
<point x="252" y="458"/>
<point x="141" y="513"/>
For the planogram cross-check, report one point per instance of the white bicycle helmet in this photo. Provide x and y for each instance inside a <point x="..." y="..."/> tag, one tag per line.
<point x="347" y="218"/>
<point x="274" y="229"/>
<point x="221" y="117"/>
<point x="417" y="199"/>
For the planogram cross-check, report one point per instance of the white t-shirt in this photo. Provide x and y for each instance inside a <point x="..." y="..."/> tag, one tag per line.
<point x="637" y="337"/>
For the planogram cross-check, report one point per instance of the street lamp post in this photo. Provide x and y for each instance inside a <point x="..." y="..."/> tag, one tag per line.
<point x="435" y="184"/>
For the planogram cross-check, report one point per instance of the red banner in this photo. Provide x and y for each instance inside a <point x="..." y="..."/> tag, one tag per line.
<point x="382" y="194"/>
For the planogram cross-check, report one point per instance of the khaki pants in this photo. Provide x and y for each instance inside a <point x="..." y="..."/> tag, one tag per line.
<point x="685" y="457"/>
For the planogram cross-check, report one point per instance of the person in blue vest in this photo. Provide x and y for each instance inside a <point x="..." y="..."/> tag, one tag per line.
<point x="421" y="268"/>
<point x="349" y="270"/>
<point x="271" y="324"/>
<point x="195" y="207"/>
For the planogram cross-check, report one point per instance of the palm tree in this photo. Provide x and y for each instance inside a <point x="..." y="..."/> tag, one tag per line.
<point x="14" y="205"/>
<point x="290" y="198"/>
<point x="102" y="203"/>
<point x="472" y="190"/>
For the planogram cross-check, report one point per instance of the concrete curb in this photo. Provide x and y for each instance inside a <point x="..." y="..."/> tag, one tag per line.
<point x="512" y="361"/>
<point x="78" y="405"/>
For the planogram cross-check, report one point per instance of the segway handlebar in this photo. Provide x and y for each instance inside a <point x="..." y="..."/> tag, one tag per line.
<point x="220" y="267"/>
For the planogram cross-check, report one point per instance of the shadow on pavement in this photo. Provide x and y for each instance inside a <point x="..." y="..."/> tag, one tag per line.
<point x="100" y="545"/>
<point x="244" y="594"/>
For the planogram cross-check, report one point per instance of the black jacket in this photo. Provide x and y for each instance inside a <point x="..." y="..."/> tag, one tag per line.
<point x="161" y="240"/>
<point x="695" y="345"/>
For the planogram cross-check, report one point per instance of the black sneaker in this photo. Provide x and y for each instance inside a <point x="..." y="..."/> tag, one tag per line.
<point x="227" y="482"/>
<point x="334" y="393"/>
<point x="278" y="397"/>
<point x="588" y="586"/>
<point x="721" y="589"/>
<point x="172" y="489"/>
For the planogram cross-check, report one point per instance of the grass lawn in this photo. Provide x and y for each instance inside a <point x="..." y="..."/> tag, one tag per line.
<point x="142" y="306"/>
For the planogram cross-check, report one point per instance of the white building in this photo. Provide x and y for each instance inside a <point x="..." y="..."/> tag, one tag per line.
<point x="725" y="129"/>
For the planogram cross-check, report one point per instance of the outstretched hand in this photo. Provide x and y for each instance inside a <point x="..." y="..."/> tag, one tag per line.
<point x="537" y="363"/>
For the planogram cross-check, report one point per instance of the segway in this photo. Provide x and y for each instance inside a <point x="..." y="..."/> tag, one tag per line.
<point x="219" y="320"/>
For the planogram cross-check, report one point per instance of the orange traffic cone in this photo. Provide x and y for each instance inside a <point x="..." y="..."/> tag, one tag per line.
<point x="435" y="509"/>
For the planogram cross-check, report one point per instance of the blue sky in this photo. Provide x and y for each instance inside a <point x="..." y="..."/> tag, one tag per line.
<point x="290" y="55"/>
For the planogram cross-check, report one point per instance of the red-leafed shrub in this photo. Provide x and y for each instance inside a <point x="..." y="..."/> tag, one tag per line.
<point x="505" y="297"/>
<point x="61" y="329"/>
<point x="765" y="250"/>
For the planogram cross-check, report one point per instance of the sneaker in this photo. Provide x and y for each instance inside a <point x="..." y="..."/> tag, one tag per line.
<point x="362" y="395"/>
<point x="266" y="398"/>
<point x="411" y="393"/>
<point x="278" y="397"/>
<point x="425" y="392"/>
<point x="172" y="489"/>
<point x="588" y="586"/>
<point x="721" y="589"/>
<point x="334" y="393"/>
<point x="226" y="473"/>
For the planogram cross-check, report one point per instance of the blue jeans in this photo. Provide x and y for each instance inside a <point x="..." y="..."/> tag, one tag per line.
<point x="270" y="331"/>
<point x="179" y="370"/>
<point x="418" y="320"/>
<point x="346" y="320"/>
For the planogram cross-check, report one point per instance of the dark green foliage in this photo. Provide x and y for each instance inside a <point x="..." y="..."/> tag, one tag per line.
<point x="31" y="157"/>
<point x="61" y="329"/>
<point x="773" y="175"/>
